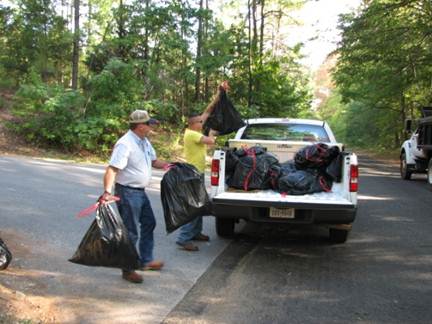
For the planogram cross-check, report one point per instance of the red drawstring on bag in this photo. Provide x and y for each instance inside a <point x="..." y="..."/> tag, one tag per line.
<point x="250" y="152"/>
<point x="324" y="184"/>
<point x="89" y="210"/>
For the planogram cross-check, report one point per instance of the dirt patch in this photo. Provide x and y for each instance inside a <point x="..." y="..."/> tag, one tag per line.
<point x="16" y="306"/>
<point x="21" y="300"/>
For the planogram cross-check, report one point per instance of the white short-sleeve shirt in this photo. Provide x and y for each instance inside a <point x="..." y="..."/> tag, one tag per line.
<point x="133" y="157"/>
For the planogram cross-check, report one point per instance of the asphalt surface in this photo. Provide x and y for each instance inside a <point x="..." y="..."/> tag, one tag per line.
<point x="382" y="274"/>
<point x="39" y="201"/>
<point x="264" y="275"/>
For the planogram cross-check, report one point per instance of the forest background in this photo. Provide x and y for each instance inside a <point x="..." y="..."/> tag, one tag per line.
<point x="72" y="70"/>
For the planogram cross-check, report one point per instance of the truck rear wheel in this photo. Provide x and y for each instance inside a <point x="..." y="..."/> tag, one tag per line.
<point x="429" y="174"/>
<point x="338" y="235"/>
<point x="225" y="227"/>
<point x="405" y="173"/>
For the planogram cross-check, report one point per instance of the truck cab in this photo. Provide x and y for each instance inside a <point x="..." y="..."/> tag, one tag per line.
<point x="416" y="152"/>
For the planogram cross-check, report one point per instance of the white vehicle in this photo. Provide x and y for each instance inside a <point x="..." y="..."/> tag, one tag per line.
<point x="284" y="137"/>
<point x="416" y="152"/>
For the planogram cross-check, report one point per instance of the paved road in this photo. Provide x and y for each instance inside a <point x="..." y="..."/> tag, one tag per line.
<point x="265" y="275"/>
<point x="383" y="274"/>
<point x="38" y="203"/>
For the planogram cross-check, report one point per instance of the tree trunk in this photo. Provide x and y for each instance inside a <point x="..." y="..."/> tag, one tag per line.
<point x="255" y="29"/>
<point x="89" y="22"/>
<point x="76" y="39"/>
<point x="403" y="116"/>
<point x="198" y="53"/>
<point x="206" y="82"/>
<point x="249" y="56"/>
<point x="261" y="49"/>
<point x="121" y="30"/>
<point x="146" y="34"/>
<point x="184" y="96"/>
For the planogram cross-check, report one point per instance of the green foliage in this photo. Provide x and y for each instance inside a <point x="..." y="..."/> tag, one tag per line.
<point x="355" y="124"/>
<point x="138" y="54"/>
<point x="384" y="65"/>
<point x="283" y="88"/>
<point x="98" y="134"/>
<point x="115" y="91"/>
<point x="47" y="113"/>
<point x="35" y="39"/>
<point x="334" y="111"/>
<point x="167" y="142"/>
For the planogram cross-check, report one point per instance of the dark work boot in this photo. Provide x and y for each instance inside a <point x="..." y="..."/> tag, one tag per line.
<point x="132" y="276"/>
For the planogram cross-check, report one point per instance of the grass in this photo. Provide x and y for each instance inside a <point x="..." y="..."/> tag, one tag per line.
<point x="8" y="319"/>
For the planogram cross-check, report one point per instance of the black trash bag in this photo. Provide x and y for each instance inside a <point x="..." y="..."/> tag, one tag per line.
<point x="315" y="156"/>
<point x="231" y="160"/>
<point x="5" y="255"/>
<point x="334" y="169"/>
<point x="303" y="182"/>
<point x="252" y="170"/>
<point x="184" y="196"/>
<point x="106" y="243"/>
<point x="224" y="118"/>
<point x="274" y="173"/>
<point x="288" y="167"/>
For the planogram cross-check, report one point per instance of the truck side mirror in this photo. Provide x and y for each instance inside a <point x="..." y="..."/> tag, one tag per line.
<point x="408" y="125"/>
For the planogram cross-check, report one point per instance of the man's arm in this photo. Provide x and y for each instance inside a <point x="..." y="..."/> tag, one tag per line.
<point x="108" y="182"/>
<point x="109" y="178"/>
<point x="223" y="87"/>
<point x="209" y="140"/>
<point x="158" y="164"/>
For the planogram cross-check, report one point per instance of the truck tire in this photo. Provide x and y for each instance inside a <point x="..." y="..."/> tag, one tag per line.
<point x="225" y="227"/>
<point x="338" y="235"/>
<point x="429" y="174"/>
<point x="405" y="173"/>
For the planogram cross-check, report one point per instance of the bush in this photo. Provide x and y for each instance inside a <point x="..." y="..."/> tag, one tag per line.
<point x="47" y="114"/>
<point x="98" y="134"/>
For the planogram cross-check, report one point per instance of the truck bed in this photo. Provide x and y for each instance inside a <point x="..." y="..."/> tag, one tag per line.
<point x="267" y="198"/>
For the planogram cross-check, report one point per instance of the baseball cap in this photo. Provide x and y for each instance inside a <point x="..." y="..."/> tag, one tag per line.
<point x="142" y="116"/>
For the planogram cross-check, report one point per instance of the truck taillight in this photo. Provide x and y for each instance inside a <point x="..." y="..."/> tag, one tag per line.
<point x="354" y="178"/>
<point x="214" y="176"/>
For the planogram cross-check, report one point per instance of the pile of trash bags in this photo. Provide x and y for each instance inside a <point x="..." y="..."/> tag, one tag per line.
<point x="183" y="195"/>
<point x="106" y="243"/>
<point x="5" y="255"/>
<point x="224" y="118"/>
<point x="314" y="169"/>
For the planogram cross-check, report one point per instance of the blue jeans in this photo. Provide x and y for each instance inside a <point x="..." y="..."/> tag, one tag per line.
<point x="137" y="215"/>
<point x="190" y="230"/>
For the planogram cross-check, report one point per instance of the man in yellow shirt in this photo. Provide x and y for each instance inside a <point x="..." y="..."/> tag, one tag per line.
<point x="195" y="149"/>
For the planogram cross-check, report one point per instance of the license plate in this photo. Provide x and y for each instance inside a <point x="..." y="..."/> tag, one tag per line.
<point x="281" y="212"/>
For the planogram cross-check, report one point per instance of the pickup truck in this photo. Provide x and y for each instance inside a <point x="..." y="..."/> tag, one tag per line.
<point x="335" y="209"/>
<point x="416" y="152"/>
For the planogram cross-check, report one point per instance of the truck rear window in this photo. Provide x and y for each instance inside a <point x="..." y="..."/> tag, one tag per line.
<point x="286" y="132"/>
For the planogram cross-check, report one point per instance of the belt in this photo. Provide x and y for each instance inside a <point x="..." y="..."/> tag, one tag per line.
<point x="128" y="187"/>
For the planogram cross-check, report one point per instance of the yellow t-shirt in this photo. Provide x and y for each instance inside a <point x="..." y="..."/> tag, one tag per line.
<point x="194" y="150"/>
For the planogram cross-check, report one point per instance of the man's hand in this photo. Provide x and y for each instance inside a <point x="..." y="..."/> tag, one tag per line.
<point x="224" y="85"/>
<point x="105" y="198"/>
<point x="168" y="166"/>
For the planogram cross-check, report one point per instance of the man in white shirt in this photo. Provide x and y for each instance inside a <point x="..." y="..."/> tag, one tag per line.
<point x="130" y="171"/>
